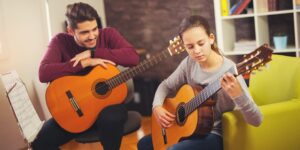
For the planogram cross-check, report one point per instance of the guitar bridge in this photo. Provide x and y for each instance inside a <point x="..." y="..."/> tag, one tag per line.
<point x="74" y="103"/>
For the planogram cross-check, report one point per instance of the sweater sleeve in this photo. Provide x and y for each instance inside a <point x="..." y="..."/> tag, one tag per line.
<point x="247" y="106"/>
<point x="119" y="51"/>
<point x="52" y="66"/>
<point x="171" y="84"/>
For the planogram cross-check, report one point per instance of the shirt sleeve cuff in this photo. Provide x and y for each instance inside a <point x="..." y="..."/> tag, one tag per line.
<point x="241" y="100"/>
<point x="75" y="69"/>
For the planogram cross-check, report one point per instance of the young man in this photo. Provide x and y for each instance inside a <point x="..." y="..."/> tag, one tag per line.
<point x="76" y="53"/>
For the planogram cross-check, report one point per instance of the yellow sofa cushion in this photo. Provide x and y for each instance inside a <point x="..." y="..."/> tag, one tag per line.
<point x="278" y="82"/>
<point x="279" y="130"/>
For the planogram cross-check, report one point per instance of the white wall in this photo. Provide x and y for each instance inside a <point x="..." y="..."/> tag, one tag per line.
<point x="24" y="38"/>
<point x="57" y="10"/>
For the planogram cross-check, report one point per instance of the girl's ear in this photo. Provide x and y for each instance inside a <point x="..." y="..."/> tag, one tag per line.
<point x="211" y="38"/>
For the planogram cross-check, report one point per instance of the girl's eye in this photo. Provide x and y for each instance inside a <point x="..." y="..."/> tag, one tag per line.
<point x="189" y="46"/>
<point x="200" y="44"/>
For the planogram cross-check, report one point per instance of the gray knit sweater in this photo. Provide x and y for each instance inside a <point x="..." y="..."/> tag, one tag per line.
<point x="190" y="72"/>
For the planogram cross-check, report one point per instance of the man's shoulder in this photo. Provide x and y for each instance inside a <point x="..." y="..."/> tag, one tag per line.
<point x="62" y="35"/>
<point x="108" y="30"/>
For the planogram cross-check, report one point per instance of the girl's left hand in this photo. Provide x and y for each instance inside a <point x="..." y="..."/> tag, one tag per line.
<point x="231" y="85"/>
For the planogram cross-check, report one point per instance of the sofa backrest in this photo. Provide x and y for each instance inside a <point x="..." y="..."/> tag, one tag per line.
<point x="280" y="81"/>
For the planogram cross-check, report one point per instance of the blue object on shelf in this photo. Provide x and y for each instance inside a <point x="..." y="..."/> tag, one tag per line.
<point x="280" y="42"/>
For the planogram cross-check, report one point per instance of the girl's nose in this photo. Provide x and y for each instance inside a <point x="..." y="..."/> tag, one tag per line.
<point x="197" y="49"/>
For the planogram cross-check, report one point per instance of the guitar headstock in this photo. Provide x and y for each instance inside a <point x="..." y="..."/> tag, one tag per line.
<point x="176" y="46"/>
<point x="254" y="60"/>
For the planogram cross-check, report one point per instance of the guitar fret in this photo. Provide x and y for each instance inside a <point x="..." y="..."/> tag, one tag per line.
<point x="114" y="82"/>
<point x="139" y="68"/>
<point x="134" y="71"/>
<point x="126" y="74"/>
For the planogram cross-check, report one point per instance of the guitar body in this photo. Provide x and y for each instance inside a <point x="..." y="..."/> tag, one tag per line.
<point x="67" y="93"/>
<point x="177" y="131"/>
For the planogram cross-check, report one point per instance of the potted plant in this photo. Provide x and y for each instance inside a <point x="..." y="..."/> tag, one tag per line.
<point x="280" y="40"/>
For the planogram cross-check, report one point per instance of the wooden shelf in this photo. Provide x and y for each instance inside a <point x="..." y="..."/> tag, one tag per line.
<point x="237" y="16"/>
<point x="276" y="12"/>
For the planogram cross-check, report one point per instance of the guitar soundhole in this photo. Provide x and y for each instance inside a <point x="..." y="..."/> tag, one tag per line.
<point x="180" y="115"/>
<point x="101" y="88"/>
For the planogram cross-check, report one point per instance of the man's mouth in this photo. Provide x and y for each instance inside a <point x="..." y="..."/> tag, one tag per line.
<point x="90" y="41"/>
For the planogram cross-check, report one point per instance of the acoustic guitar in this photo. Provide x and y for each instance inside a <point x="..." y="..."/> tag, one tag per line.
<point x="185" y="105"/>
<point x="75" y="101"/>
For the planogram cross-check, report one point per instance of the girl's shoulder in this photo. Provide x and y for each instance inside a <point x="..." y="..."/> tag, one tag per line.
<point x="228" y="62"/>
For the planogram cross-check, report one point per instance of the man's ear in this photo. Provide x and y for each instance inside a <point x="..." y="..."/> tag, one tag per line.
<point x="70" y="31"/>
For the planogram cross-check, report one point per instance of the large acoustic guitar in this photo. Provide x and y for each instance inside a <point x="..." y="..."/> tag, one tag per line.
<point x="75" y="101"/>
<point x="185" y="105"/>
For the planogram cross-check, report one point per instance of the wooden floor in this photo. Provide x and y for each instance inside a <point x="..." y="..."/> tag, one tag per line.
<point x="128" y="142"/>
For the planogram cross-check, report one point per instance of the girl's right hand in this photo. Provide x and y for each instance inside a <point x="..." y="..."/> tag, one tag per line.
<point x="163" y="117"/>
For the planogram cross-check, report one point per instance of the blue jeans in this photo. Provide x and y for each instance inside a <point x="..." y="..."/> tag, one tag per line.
<point x="209" y="142"/>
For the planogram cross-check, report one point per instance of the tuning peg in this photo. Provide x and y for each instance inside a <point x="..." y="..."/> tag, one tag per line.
<point x="170" y="42"/>
<point x="267" y="66"/>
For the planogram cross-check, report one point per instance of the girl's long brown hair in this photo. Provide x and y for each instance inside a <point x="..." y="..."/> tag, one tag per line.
<point x="197" y="21"/>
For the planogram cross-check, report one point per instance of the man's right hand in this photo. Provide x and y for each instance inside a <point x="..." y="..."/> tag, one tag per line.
<point x="91" y="62"/>
<point x="81" y="56"/>
<point x="163" y="117"/>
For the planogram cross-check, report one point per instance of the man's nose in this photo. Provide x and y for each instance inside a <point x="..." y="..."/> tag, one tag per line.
<point x="91" y="35"/>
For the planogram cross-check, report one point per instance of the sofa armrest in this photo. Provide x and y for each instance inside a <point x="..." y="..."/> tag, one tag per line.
<point x="279" y="129"/>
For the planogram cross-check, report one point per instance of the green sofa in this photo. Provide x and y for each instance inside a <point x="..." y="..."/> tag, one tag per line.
<point x="276" y="89"/>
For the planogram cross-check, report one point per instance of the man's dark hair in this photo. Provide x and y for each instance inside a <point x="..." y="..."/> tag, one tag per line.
<point x="80" y="12"/>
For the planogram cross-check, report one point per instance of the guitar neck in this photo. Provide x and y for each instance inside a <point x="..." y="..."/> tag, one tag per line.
<point x="143" y="66"/>
<point x="199" y="99"/>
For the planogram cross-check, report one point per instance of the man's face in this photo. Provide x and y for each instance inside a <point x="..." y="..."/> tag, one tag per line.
<point x="86" y="33"/>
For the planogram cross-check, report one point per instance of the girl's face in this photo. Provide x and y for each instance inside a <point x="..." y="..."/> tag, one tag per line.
<point x="198" y="43"/>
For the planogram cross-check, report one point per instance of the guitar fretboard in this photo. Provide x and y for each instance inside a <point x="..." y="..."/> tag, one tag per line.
<point x="207" y="92"/>
<point x="143" y="66"/>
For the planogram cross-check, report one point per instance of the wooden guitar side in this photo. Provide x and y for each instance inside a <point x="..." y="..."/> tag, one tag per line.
<point x="175" y="132"/>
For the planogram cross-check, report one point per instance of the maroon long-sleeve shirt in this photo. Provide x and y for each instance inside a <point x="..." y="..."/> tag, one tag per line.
<point x="62" y="48"/>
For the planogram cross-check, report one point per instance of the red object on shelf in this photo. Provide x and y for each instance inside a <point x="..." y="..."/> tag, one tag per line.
<point x="241" y="7"/>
